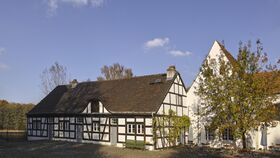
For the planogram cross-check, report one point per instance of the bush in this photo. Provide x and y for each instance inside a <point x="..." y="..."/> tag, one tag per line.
<point x="135" y="144"/>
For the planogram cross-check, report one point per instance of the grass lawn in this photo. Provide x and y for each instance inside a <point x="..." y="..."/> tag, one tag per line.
<point x="53" y="149"/>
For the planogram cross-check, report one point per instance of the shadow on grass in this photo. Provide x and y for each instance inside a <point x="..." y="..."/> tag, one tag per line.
<point x="193" y="152"/>
<point x="54" y="149"/>
<point x="45" y="149"/>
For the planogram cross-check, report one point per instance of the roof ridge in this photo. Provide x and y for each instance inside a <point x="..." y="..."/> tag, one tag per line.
<point x="123" y="78"/>
<point x="228" y="55"/>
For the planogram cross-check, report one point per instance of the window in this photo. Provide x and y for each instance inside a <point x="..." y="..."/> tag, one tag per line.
<point x="227" y="134"/>
<point x="114" y="121"/>
<point x="140" y="129"/>
<point x="209" y="133"/>
<point x="131" y="128"/>
<point x="61" y="125"/>
<point x="94" y="106"/>
<point x="36" y="124"/>
<point x="66" y="125"/>
<point x="180" y="100"/>
<point x="95" y="127"/>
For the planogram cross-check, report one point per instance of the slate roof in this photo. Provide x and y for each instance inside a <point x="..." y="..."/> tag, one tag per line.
<point x="135" y="95"/>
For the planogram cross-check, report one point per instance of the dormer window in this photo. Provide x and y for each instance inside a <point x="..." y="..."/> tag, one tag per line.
<point x="94" y="106"/>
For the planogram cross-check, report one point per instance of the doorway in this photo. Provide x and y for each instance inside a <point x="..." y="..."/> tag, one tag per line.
<point x="113" y="135"/>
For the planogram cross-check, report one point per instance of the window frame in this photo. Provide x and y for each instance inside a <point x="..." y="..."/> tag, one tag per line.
<point x="180" y="100"/>
<point x="95" y="127"/>
<point x="209" y="133"/>
<point x="227" y="134"/>
<point x="61" y="125"/>
<point x="114" y="121"/>
<point x="94" y="107"/>
<point x="131" y="128"/>
<point x="140" y="128"/>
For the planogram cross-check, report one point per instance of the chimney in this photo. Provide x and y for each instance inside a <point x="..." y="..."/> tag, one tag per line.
<point x="73" y="83"/>
<point x="171" y="71"/>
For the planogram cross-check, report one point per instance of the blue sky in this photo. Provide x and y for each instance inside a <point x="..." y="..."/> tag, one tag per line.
<point x="145" y="35"/>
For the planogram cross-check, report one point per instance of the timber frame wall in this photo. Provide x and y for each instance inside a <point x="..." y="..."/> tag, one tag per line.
<point x="64" y="127"/>
<point x="96" y="126"/>
<point x="175" y="100"/>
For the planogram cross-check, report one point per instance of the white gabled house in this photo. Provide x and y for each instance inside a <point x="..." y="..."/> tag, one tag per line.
<point x="110" y="112"/>
<point x="200" y="134"/>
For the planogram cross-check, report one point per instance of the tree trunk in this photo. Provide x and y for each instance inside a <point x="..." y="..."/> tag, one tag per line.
<point x="244" y="140"/>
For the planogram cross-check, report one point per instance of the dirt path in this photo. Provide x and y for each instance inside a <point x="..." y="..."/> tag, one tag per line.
<point x="53" y="149"/>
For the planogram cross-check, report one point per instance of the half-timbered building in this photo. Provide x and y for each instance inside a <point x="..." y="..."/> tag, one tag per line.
<point x="111" y="112"/>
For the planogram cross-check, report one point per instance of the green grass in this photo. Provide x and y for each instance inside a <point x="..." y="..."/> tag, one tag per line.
<point x="58" y="149"/>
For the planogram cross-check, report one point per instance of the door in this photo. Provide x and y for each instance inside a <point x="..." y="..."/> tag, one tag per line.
<point x="113" y="135"/>
<point x="182" y="137"/>
<point x="79" y="133"/>
<point x="50" y="128"/>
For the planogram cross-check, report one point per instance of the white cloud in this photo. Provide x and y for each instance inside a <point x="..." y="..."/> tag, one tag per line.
<point x="177" y="53"/>
<point x="53" y="4"/>
<point x="165" y="43"/>
<point x="2" y="50"/>
<point x="157" y="42"/>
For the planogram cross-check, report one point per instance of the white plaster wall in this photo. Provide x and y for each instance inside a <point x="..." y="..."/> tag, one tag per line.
<point x="149" y="139"/>
<point x="121" y="138"/>
<point x="149" y="130"/>
<point x="273" y="136"/>
<point x="103" y="120"/>
<point x="149" y="121"/>
<point x="121" y="121"/>
<point x="140" y="138"/>
<point x="129" y="137"/>
<point x="130" y="120"/>
<point x="194" y="102"/>
<point x="121" y="130"/>
<point x="160" y="111"/>
<point x="106" y="128"/>
<point x="139" y="119"/>
<point x="171" y="98"/>
<point x="149" y="147"/>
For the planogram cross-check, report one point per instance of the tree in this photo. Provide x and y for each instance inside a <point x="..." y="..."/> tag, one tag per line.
<point x="54" y="76"/>
<point x="13" y="115"/>
<point x="115" y="71"/>
<point x="239" y="95"/>
<point x="176" y="124"/>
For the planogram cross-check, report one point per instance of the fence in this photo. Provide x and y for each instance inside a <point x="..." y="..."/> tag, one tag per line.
<point x="12" y="135"/>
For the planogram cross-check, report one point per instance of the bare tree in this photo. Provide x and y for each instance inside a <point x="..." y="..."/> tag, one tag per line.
<point x="53" y="76"/>
<point x="115" y="71"/>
